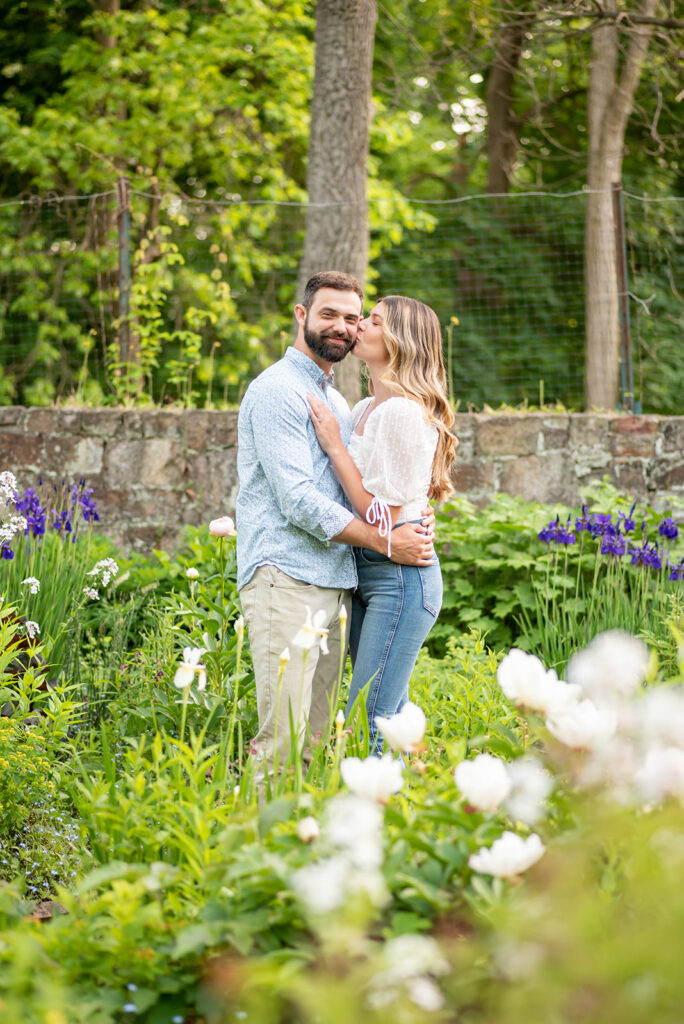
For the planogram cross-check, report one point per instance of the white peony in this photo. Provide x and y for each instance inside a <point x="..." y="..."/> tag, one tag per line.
<point x="583" y="726"/>
<point x="525" y="681"/>
<point x="222" y="527"/>
<point x="508" y="856"/>
<point x="376" y="778"/>
<point x="308" y="829"/>
<point x="613" y="665"/>
<point x="192" y="573"/>
<point x="530" y="786"/>
<point x="483" y="781"/>
<point x="662" y="775"/>
<point x="405" y="730"/>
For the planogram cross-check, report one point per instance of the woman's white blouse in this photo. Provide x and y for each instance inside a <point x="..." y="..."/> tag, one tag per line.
<point x="394" y="456"/>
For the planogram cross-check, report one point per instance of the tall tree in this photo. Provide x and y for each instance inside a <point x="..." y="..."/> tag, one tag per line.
<point x="612" y="85"/>
<point x="337" y="215"/>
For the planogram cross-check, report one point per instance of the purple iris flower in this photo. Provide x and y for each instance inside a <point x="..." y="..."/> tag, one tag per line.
<point x="668" y="528"/>
<point x="613" y="543"/>
<point x="628" y="523"/>
<point x="88" y="506"/>
<point x="6" y="552"/>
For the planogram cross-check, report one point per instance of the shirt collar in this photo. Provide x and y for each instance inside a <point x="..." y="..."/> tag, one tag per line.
<point x="308" y="366"/>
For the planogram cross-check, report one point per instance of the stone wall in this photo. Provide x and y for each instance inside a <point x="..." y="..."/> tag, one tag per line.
<point x="153" y="471"/>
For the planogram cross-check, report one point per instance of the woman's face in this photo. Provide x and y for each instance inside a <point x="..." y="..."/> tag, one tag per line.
<point x="369" y="344"/>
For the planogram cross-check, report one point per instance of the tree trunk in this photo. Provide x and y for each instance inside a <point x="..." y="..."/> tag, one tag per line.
<point x="502" y="132"/>
<point x="610" y="99"/>
<point x="337" y="215"/>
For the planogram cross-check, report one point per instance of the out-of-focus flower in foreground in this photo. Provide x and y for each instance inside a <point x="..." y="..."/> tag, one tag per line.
<point x="508" y="856"/>
<point x="525" y="681"/>
<point x="483" y="781"/>
<point x="222" y="527"/>
<point x="313" y="633"/>
<point x="583" y="725"/>
<point x="190" y="667"/>
<point x="405" y="730"/>
<point x="409" y="961"/>
<point x="662" y="775"/>
<point x="530" y="786"/>
<point x="375" y="778"/>
<point x="612" y="666"/>
<point x="308" y="829"/>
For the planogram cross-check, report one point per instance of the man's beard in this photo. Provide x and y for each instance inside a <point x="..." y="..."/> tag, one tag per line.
<point x="325" y="349"/>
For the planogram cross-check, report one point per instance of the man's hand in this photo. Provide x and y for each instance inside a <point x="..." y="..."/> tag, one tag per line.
<point x="429" y="521"/>
<point x="411" y="545"/>
<point x="326" y="426"/>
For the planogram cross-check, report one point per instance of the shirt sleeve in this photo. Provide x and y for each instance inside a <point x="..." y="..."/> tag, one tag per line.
<point x="280" y="425"/>
<point x="394" y="451"/>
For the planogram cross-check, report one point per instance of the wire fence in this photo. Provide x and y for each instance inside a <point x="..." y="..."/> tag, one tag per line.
<point x="124" y="295"/>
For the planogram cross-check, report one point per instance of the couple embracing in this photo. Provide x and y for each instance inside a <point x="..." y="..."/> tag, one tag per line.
<point x="332" y="513"/>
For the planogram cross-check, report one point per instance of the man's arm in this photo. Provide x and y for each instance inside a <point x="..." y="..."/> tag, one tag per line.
<point x="411" y="545"/>
<point x="279" y="421"/>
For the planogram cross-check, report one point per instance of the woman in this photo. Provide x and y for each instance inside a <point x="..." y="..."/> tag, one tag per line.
<point x="400" y="453"/>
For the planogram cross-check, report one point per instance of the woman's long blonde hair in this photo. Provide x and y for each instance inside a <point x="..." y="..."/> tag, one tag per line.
<point x="413" y="336"/>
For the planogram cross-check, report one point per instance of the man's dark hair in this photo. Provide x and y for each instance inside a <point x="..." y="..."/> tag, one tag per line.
<point x="330" y="279"/>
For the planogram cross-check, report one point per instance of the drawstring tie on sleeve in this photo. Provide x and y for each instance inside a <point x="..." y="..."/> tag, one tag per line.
<point x="379" y="512"/>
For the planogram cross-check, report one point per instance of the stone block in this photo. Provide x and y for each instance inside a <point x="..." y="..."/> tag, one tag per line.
<point x="157" y="462"/>
<point x="555" y="432"/>
<point x="630" y="476"/>
<point x="464" y="429"/>
<point x="42" y="421"/>
<point x="196" y="427"/>
<point x="589" y="430"/>
<point x="212" y="479"/>
<point x="477" y="475"/>
<point x="507" y="435"/>
<point x="540" y="478"/>
<point x="11" y="415"/>
<point x="101" y="422"/>
<point x="74" y="457"/>
<point x="22" y="454"/>
<point x="132" y="422"/>
<point x="163" y="423"/>
<point x="671" y="430"/>
<point x="222" y="430"/>
<point x="666" y="475"/>
<point x="634" y="436"/>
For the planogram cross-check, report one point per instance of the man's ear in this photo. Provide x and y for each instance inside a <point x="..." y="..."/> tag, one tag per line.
<point x="300" y="313"/>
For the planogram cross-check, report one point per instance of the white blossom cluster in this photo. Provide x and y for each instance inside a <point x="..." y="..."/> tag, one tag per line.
<point x="32" y="583"/>
<point x="8" y="486"/>
<point x="11" y="527"/>
<point x="104" y="571"/>
<point x="632" y="736"/>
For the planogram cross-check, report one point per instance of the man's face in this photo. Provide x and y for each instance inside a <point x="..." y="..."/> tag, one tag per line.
<point x="331" y="324"/>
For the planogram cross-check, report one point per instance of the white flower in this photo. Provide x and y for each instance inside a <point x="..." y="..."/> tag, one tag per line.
<point x="525" y="681"/>
<point x="322" y="887"/>
<point x="339" y="718"/>
<point x="583" y="726"/>
<point x="376" y="778"/>
<point x="8" y="485"/>
<point x="661" y="717"/>
<point x="425" y="994"/>
<point x="354" y="825"/>
<point x="662" y="775"/>
<point x="483" y="781"/>
<point x="240" y="625"/>
<point x="32" y="628"/>
<point x="32" y="583"/>
<point x="313" y="632"/>
<point x="91" y="592"/>
<point x="14" y="525"/>
<point x="508" y="856"/>
<point x="530" y="786"/>
<point x="223" y="527"/>
<point x="284" y="657"/>
<point x="105" y="569"/>
<point x="192" y="573"/>
<point x="613" y="665"/>
<point x="189" y="668"/>
<point x="405" y="730"/>
<point x="308" y="829"/>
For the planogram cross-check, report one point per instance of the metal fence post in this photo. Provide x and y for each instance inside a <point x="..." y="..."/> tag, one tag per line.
<point x="123" y="221"/>
<point x="626" y="370"/>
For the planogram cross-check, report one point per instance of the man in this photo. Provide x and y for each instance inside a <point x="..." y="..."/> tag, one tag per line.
<point x="294" y="525"/>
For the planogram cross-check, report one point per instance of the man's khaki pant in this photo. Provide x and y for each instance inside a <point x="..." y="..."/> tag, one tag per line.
<point x="305" y="690"/>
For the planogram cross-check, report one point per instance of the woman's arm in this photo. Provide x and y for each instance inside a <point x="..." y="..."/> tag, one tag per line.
<point x="328" y="434"/>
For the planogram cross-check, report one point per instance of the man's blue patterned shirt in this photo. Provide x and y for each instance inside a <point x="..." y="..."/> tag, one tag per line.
<point x="290" y="502"/>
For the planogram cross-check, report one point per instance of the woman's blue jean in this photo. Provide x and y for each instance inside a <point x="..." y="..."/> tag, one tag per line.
<point x="393" y="610"/>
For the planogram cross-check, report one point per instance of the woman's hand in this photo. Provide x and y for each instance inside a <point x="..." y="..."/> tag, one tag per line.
<point x="326" y="426"/>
